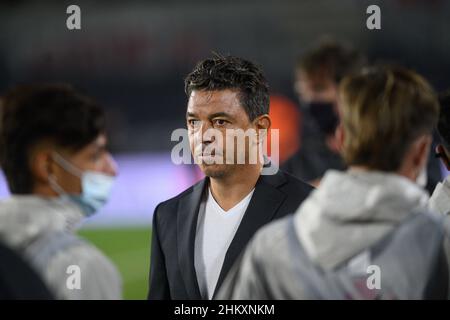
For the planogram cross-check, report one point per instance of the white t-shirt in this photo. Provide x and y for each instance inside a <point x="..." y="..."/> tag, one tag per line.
<point x="215" y="231"/>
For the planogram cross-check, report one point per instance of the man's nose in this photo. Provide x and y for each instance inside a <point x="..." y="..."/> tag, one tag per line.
<point x="204" y="134"/>
<point x="111" y="167"/>
<point x="209" y="134"/>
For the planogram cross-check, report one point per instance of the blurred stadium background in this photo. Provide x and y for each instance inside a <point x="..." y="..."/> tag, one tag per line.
<point x="132" y="56"/>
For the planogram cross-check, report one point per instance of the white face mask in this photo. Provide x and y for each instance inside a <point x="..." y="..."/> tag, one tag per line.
<point x="95" y="187"/>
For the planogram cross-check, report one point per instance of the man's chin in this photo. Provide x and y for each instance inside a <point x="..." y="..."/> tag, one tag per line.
<point x="213" y="170"/>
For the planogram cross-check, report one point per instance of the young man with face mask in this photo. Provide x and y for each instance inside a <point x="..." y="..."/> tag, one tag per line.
<point x="317" y="76"/>
<point x="53" y="154"/>
<point x="364" y="233"/>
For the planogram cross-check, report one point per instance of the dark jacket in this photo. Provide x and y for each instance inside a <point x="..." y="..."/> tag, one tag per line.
<point x="172" y="271"/>
<point x="18" y="280"/>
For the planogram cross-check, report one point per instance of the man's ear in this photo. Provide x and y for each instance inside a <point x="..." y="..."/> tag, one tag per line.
<point x="416" y="157"/>
<point x="42" y="165"/>
<point x="263" y="124"/>
<point x="442" y="154"/>
<point x="340" y="135"/>
<point x="422" y="150"/>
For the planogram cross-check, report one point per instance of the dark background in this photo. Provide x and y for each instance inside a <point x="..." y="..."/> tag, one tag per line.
<point x="133" y="55"/>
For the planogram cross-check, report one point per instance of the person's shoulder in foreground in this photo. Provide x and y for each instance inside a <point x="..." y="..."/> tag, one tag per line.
<point x="354" y="237"/>
<point x="18" y="280"/>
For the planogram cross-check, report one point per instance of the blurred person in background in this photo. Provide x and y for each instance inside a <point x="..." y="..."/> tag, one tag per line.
<point x="54" y="156"/>
<point x="317" y="77"/>
<point x="198" y="234"/>
<point x="364" y="233"/>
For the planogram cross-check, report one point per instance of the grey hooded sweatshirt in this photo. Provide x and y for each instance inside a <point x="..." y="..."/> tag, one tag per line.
<point x="43" y="229"/>
<point x="356" y="226"/>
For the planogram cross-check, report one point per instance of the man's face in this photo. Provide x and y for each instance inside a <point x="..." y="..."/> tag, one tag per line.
<point x="93" y="157"/>
<point x="220" y="110"/>
<point x="318" y="94"/>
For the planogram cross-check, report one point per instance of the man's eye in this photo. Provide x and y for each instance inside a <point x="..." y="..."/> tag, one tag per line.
<point x="220" y="122"/>
<point x="194" y="123"/>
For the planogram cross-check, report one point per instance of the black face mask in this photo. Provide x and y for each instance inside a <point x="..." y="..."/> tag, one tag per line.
<point x="324" y="115"/>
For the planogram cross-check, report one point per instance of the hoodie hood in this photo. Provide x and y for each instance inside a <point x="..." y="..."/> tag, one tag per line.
<point x="25" y="217"/>
<point x="352" y="210"/>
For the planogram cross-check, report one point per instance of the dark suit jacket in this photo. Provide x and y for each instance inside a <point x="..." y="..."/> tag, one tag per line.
<point x="172" y="271"/>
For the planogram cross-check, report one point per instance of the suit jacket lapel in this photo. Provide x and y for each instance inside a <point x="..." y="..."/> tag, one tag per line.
<point x="187" y="217"/>
<point x="262" y="207"/>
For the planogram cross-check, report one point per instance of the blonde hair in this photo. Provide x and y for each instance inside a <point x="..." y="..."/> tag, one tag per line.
<point x="383" y="110"/>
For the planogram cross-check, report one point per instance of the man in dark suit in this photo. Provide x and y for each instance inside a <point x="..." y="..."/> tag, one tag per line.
<point x="198" y="235"/>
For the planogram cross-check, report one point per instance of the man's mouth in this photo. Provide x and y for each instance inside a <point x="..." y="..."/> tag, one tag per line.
<point x="213" y="153"/>
<point x="209" y="154"/>
<point x="209" y="157"/>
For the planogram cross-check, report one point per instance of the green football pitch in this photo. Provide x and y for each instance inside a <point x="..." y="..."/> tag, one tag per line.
<point x="129" y="249"/>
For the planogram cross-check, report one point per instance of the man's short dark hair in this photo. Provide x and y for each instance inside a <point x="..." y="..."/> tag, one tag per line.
<point x="46" y="112"/>
<point x="444" y="119"/>
<point x="229" y="72"/>
<point x="332" y="59"/>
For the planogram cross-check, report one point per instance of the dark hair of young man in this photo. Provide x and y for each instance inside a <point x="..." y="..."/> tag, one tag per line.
<point x="32" y="114"/>
<point x="330" y="59"/>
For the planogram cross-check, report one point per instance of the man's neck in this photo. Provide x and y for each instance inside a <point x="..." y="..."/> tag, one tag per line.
<point x="229" y="191"/>
<point x="409" y="174"/>
<point x="41" y="190"/>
